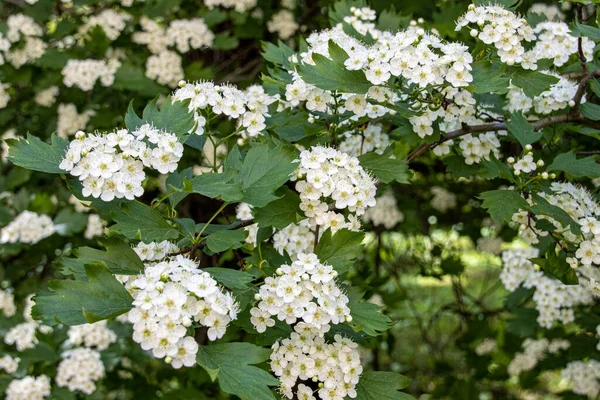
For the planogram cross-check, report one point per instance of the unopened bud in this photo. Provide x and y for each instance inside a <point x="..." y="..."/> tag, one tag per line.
<point x="571" y="103"/>
<point x="413" y="23"/>
<point x="540" y="163"/>
<point x="257" y="297"/>
<point x="528" y="147"/>
<point x="420" y="20"/>
<point x="510" y="160"/>
<point x="181" y="83"/>
<point x="315" y="378"/>
<point x="518" y="172"/>
<point x="474" y="32"/>
<point x="305" y="277"/>
<point x="544" y="175"/>
<point x="553" y="176"/>
<point x="348" y="318"/>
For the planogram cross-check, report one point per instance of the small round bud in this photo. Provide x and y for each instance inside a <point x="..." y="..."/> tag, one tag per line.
<point x="510" y="62"/>
<point x="517" y="172"/>
<point x="540" y="163"/>
<point x="321" y="385"/>
<point x="334" y="273"/>
<point x="544" y="175"/>
<point x="80" y="135"/>
<point x="181" y="83"/>
<point x="168" y="359"/>
<point x="510" y="160"/>
<point x="420" y="20"/>
<point x="553" y="176"/>
<point x="471" y="7"/>
<point x="348" y="318"/>
<point x="474" y="32"/>
<point x="528" y="147"/>
<point x="420" y="31"/>
<point x="257" y="297"/>
<point x="529" y="153"/>
<point x="413" y="23"/>
<point x="571" y="103"/>
<point x="279" y="271"/>
<point x="305" y="277"/>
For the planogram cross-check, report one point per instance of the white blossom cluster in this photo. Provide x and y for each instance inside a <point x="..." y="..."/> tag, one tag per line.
<point x="29" y="388"/>
<point x="92" y="335"/>
<point x="550" y="11"/>
<point x="502" y="28"/>
<point x="305" y="292"/>
<point x="249" y="107"/>
<point x="94" y="227"/>
<point x="184" y="34"/>
<point x="112" y="23"/>
<point x="525" y="164"/>
<point x="559" y="96"/>
<point x="70" y="121"/>
<point x="85" y="73"/>
<point x="487" y="346"/>
<point x="21" y="28"/>
<point x="362" y="19"/>
<point x="553" y="300"/>
<point x="46" y="97"/>
<point x="326" y="175"/>
<point x="165" y="68"/>
<point x="385" y="213"/>
<point x="443" y="199"/>
<point x="112" y="165"/>
<point x="295" y="238"/>
<point x="7" y="303"/>
<point x="27" y="227"/>
<point x="243" y="212"/>
<point x="79" y="370"/>
<point x="584" y="377"/>
<point x="306" y="356"/>
<point x="155" y="250"/>
<point x="169" y="297"/>
<point x="554" y="41"/>
<point x="359" y="142"/>
<point x="580" y="204"/>
<point x="9" y="364"/>
<point x="23" y="335"/>
<point x="535" y="350"/>
<point x="4" y="95"/>
<point x="283" y="23"/>
<point x="240" y="6"/>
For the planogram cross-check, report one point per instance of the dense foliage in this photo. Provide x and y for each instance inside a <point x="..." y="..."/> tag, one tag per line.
<point x="305" y="200"/>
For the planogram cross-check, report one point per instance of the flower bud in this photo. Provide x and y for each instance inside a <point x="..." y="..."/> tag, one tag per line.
<point x="571" y="103"/>
<point x="279" y="271"/>
<point x="553" y="176"/>
<point x="181" y="83"/>
<point x="544" y="175"/>
<point x="474" y="32"/>
<point x="348" y="318"/>
<point x="528" y="147"/>
<point x="413" y="23"/>
<point x="517" y="172"/>
<point x="540" y="163"/>
<point x="510" y="160"/>
<point x="257" y="297"/>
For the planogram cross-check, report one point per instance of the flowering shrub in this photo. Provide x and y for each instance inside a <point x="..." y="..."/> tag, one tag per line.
<point x="258" y="237"/>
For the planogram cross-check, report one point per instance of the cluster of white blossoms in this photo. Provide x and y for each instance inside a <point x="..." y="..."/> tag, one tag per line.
<point x="306" y="292"/>
<point x="29" y="388"/>
<point x="361" y="141"/>
<point x="169" y="297"/>
<point x="4" y="96"/>
<point x="443" y="199"/>
<point x="27" y="227"/>
<point x="249" y="107"/>
<point x="502" y="28"/>
<point x="240" y="6"/>
<point x="69" y="121"/>
<point x="295" y="238"/>
<point x="553" y="300"/>
<point x="550" y="11"/>
<point x="328" y="177"/>
<point x="243" y="212"/>
<point x="283" y="23"/>
<point x="22" y="43"/>
<point x="584" y="377"/>
<point x="385" y="213"/>
<point x="112" y="165"/>
<point x="9" y="364"/>
<point x="112" y="23"/>
<point x="165" y="68"/>
<point x="94" y="227"/>
<point x="554" y="41"/>
<point x="85" y="73"/>
<point x="46" y="97"/>
<point x="558" y="97"/>
<point x="582" y="207"/>
<point x="155" y="250"/>
<point x="487" y="346"/>
<point x="305" y="356"/>
<point x="92" y="335"/>
<point x="184" y="34"/>
<point x="79" y="370"/>
<point x="23" y="335"/>
<point x="7" y="303"/>
<point x="535" y="350"/>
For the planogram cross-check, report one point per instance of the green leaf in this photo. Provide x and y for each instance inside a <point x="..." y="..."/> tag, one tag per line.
<point x="277" y="54"/>
<point x="36" y="155"/>
<point x="230" y="278"/>
<point x="265" y="169"/>
<point x="176" y="180"/>
<point x="340" y="250"/>
<point x="281" y="212"/>
<point x="132" y="121"/>
<point x="173" y="117"/>
<point x="557" y="266"/>
<point x="457" y="166"/>
<point x="586" y="30"/>
<point x="119" y="258"/>
<point x="231" y="364"/>
<point x="502" y="204"/>
<point x="533" y="83"/>
<point x="590" y="111"/>
<point x="385" y="168"/>
<point x="489" y="77"/>
<point x="522" y="130"/>
<point x="366" y="317"/>
<point x="138" y="221"/>
<point x="68" y="222"/>
<point x="332" y="74"/>
<point x="582" y="167"/>
<point x="130" y="77"/>
<point x="223" y="41"/>
<point x="495" y="168"/>
<point x="380" y="385"/>
<point x="213" y="185"/>
<point x="543" y="207"/>
<point x="524" y="323"/>
<point x="226" y="239"/>
<point x="76" y="302"/>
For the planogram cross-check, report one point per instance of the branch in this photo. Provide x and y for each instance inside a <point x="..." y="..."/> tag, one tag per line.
<point x="17" y="3"/>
